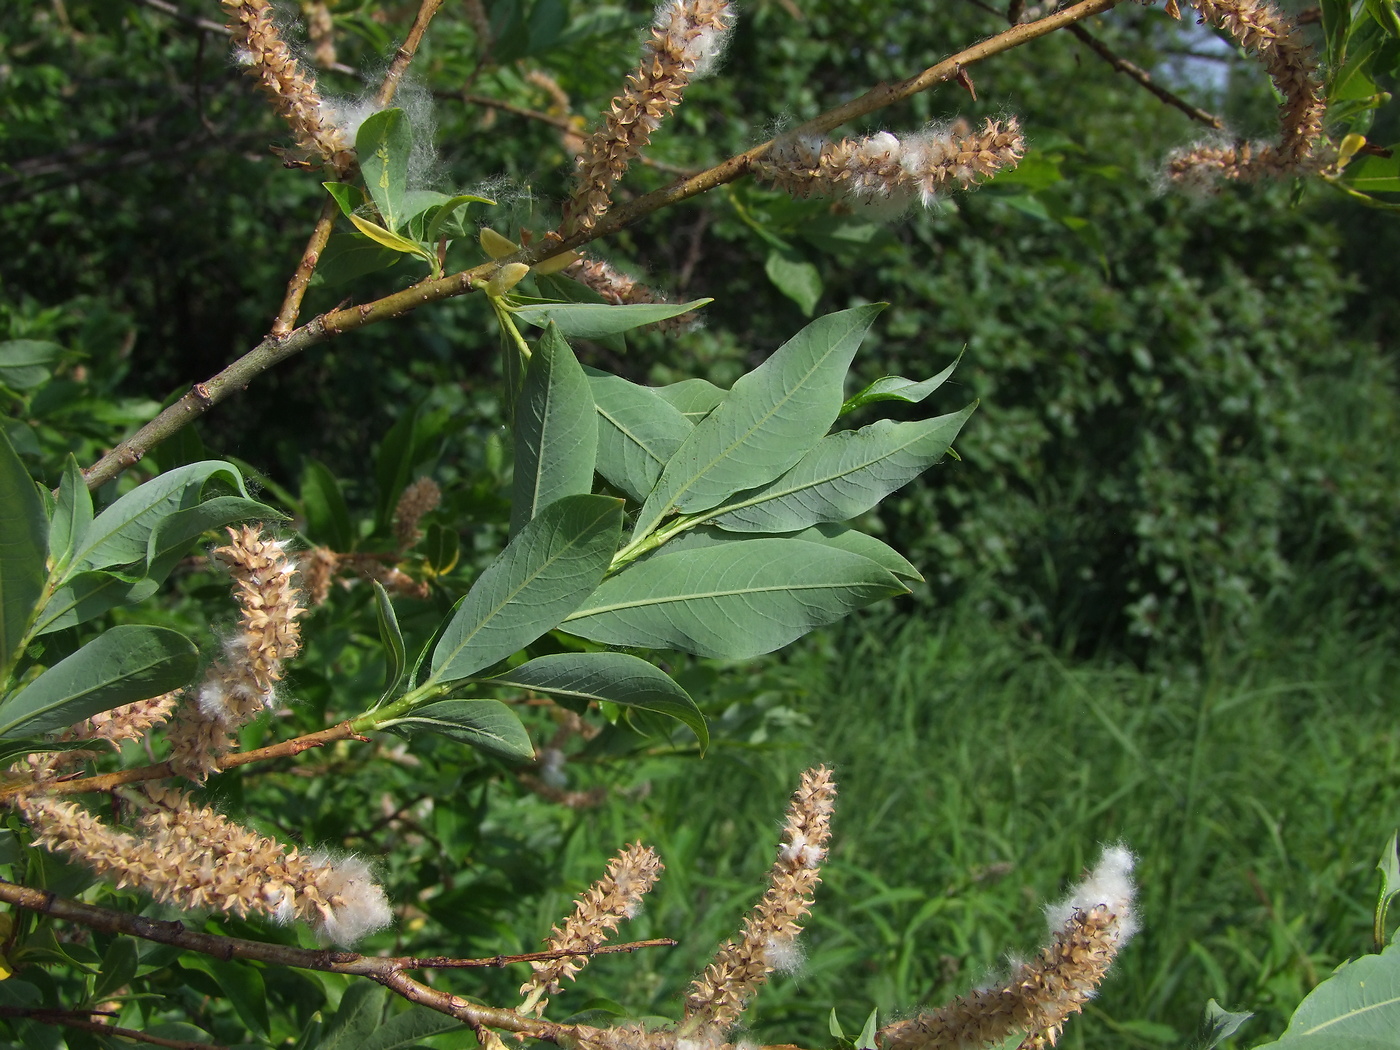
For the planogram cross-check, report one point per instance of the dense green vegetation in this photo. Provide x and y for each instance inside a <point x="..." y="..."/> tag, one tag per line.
<point x="1160" y="575"/>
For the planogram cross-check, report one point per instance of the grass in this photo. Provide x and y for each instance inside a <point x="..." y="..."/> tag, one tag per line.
<point x="980" y="774"/>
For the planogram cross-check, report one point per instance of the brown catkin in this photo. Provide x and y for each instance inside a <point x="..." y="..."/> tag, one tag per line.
<point x="293" y="93"/>
<point x="1259" y="27"/>
<point x="767" y="941"/>
<point x="686" y="38"/>
<point x="884" y="168"/>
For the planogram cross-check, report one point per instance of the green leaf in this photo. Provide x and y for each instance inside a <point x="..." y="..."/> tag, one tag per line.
<point x="395" y="652"/>
<point x="487" y="725"/>
<point x="731" y="602"/>
<point x="845" y="475"/>
<point x="829" y="534"/>
<point x="834" y="1026"/>
<point x="693" y="398"/>
<point x="23" y="534"/>
<point x="556" y="431"/>
<point x="795" y="277"/>
<point x="71" y="516"/>
<point x="1389" y="867"/>
<point x="392" y="241"/>
<point x="87" y="595"/>
<point x="556" y="287"/>
<point x="769" y="420"/>
<point x="127" y="663"/>
<point x="118" y="968"/>
<point x="383" y="143"/>
<point x="1218" y="1025"/>
<point x="408" y="1029"/>
<point x="866" y="1039"/>
<point x="1336" y="21"/>
<point x="176" y="534"/>
<point x="550" y="566"/>
<point x="897" y="388"/>
<point x="613" y="677"/>
<point x="241" y="984"/>
<point x="595" y="320"/>
<point x="346" y="196"/>
<point x="348" y="256"/>
<point x="441" y="221"/>
<point x="1374" y="174"/>
<point x="441" y="548"/>
<point x="638" y="431"/>
<point x="361" y="1012"/>
<point x="121" y="534"/>
<point x="24" y="362"/>
<point x="1383" y="11"/>
<point x="327" y="516"/>
<point x="1357" y="1008"/>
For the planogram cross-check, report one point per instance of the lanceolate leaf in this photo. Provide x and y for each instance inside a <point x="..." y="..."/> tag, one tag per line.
<point x="614" y="677"/>
<point x="845" y="475"/>
<point x="731" y="601"/>
<point x="556" y="431"/>
<point x="595" y="320"/>
<point x="638" y="431"/>
<point x="897" y="388"/>
<point x="122" y="665"/>
<point x="395" y="652"/>
<point x="72" y="515"/>
<point x="829" y="534"/>
<point x="769" y="420"/>
<point x="120" y="535"/>
<point x="550" y="567"/>
<point x="87" y="595"/>
<point x="487" y="725"/>
<point x="383" y="144"/>
<point x="23" y="531"/>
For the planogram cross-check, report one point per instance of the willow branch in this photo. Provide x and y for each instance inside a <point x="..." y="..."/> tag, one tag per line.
<point x="161" y="770"/>
<point x="405" y="53"/>
<point x="1141" y="76"/>
<point x="388" y="971"/>
<point x="275" y="349"/>
<point x="77" y="1020"/>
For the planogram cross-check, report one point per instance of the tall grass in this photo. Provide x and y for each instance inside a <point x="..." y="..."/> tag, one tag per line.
<point x="979" y="774"/>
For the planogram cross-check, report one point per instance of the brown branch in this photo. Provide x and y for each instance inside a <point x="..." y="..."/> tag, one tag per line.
<point x="388" y="971"/>
<point x="77" y="1020"/>
<point x="1141" y="76"/>
<point x="274" y="349"/>
<point x="161" y="770"/>
<point x="405" y="53"/>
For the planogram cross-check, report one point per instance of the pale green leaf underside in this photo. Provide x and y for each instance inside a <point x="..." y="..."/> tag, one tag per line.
<point x="845" y="475"/>
<point x="1357" y="1008"/>
<point x="556" y="431"/>
<point x="550" y="566"/>
<point x="769" y="420"/>
<point x="615" y="677"/>
<point x="487" y="725"/>
<point x="596" y="320"/>
<point x="731" y="601"/>
<point x="638" y="431"/>
<point x="828" y="534"/>
<point x="124" y="664"/>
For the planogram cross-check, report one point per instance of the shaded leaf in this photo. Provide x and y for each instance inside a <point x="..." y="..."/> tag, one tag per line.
<point x="693" y="398"/>
<point x="638" y="431"/>
<point x="361" y="1011"/>
<point x="87" y="595"/>
<point x="126" y="663"/>
<point x="770" y="419"/>
<point x="395" y="652"/>
<point x="614" y="677"/>
<point x="23" y="536"/>
<point x="409" y="1028"/>
<point x="795" y="277"/>
<point x="348" y="256"/>
<point x="327" y="516"/>
<point x="24" y="362"/>
<point x="845" y="475"/>
<point x="550" y="566"/>
<point x="241" y="984"/>
<point x="487" y="725"/>
<point x="1218" y="1025"/>
<point x="731" y="602"/>
<point x="556" y="430"/>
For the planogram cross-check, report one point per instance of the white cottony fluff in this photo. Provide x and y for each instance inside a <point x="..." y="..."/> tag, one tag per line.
<point x="358" y="904"/>
<point x="701" y="46"/>
<point x="1109" y="885"/>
